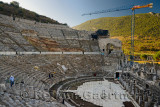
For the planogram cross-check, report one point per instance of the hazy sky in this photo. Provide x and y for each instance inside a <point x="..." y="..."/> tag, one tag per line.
<point x="70" y="11"/>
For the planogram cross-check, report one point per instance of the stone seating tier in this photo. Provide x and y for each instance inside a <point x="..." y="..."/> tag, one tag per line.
<point x="29" y="79"/>
<point x="15" y="34"/>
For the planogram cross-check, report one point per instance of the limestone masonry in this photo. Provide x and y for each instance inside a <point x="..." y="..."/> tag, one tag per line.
<point x="46" y="60"/>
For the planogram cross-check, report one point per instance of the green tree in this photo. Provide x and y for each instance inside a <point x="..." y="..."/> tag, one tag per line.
<point x="157" y="56"/>
<point x="14" y="3"/>
<point x="143" y="57"/>
<point x="14" y="9"/>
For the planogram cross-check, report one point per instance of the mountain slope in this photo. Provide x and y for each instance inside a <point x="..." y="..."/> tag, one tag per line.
<point x="147" y="31"/>
<point x="145" y="25"/>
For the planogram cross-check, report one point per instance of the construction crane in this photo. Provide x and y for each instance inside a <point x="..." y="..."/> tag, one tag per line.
<point x="133" y="29"/>
<point x="133" y="8"/>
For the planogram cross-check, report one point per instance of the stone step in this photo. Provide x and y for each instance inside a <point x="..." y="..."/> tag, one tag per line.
<point x="19" y="77"/>
<point x="43" y="76"/>
<point x="35" y="74"/>
<point x="41" y="85"/>
<point x="28" y="80"/>
<point x="9" y="73"/>
<point x="31" y="81"/>
<point x="6" y="70"/>
<point x="36" y="83"/>
<point x="2" y="68"/>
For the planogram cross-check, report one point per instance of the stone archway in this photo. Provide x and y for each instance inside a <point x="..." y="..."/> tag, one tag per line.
<point x="107" y="45"/>
<point x="109" y="48"/>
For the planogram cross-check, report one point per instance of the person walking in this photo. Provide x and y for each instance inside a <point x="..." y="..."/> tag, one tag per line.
<point x="11" y="80"/>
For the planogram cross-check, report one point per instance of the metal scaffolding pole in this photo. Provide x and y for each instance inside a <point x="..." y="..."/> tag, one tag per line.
<point x="132" y="37"/>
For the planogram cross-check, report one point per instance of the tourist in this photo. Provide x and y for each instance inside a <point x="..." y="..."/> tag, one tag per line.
<point x="102" y="53"/>
<point x="49" y="75"/>
<point x="14" y="18"/>
<point x="11" y="80"/>
<point x="63" y="101"/>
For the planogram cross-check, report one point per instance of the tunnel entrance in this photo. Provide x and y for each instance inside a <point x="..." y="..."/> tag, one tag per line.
<point x="117" y="74"/>
<point x="110" y="48"/>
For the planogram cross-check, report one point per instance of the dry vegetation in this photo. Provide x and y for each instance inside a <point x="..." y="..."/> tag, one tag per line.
<point x="50" y="45"/>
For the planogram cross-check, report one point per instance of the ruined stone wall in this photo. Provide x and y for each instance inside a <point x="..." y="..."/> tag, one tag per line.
<point x="144" y="92"/>
<point x="103" y="42"/>
<point x="26" y="35"/>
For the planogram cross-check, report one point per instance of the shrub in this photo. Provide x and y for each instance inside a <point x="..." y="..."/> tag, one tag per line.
<point x="14" y="3"/>
<point x="143" y="57"/>
<point x="14" y="9"/>
<point x="143" y="48"/>
<point x="157" y="56"/>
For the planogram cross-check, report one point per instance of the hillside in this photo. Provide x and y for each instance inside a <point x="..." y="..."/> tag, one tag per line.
<point x="147" y="31"/>
<point x="10" y="10"/>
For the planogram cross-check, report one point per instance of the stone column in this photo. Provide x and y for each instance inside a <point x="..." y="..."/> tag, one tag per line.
<point x="139" y="100"/>
<point x="135" y="93"/>
<point x="132" y="89"/>
<point x="140" y="97"/>
<point x="127" y="86"/>
<point x="149" y="100"/>
<point x="155" y="99"/>
<point x="158" y="100"/>
<point x="145" y="104"/>
<point x="145" y="96"/>
<point x="138" y="94"/>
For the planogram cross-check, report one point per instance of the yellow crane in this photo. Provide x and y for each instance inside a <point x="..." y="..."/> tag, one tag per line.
<point x="133" y="8"/>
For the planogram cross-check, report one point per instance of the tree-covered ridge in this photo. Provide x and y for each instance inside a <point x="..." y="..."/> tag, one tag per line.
<point x="12" y="9"/>
<point x="145" y="25"/>
<point x="147" y="31"/>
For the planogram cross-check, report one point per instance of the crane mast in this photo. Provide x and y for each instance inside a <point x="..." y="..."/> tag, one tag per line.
<point x="133" y="8"/>
<point x="133" y="29"/>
